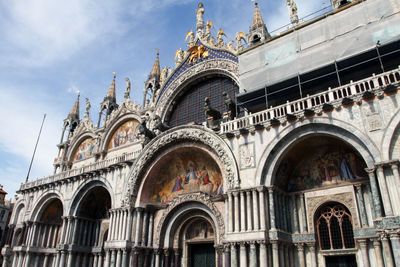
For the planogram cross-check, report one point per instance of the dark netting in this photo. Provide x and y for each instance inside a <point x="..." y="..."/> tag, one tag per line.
<point x="348" y="235"/>
<point x="336" y="234"/>
<point x="190" y="106"/>
<point x="323" y="231"/>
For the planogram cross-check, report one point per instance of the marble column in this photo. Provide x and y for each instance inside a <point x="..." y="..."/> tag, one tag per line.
<point x="384" y="191"/>
<point x="63" y="259"/>
<point x="395" y="169"/>
<point x="234" y="259"/>
<point x="387" y="251"/>
<point x="361" y="205"/>
<point x="378" y="252"/>
<point x="313" y="254"/>
<point x="145" y="227"/>
<point x="69" y="231"/>
<point x="243" y="255"/>
<point x="275" y="253"/>
<point x="63" y="229"/>
<point x="255" y="210"/>
<point x="253" y="254"/>
<point x="272" y="208"/>
<point x="249" y="211"/>
<point x="112" y="226"/>
<point x="107" y="258"/>
<point x="230" y="212"/>
<point x="113" y="258"/>
<point x="287" y="257"/>
<point x="118" y="258"/>
<point x="263" y="254"/>
<point x="70" y="260"/>
<point x="100" y="260"/>
<point x="303" y="213"/>
<point x="375" y="192"/>
<point x="363" y="243"/>
<point x="296" y="228"/>
<point x="157" y="257"/>
<point x="242" y="212"/>
<point x="130" y="224"/>
<point x="20" y="259"/>
<point x="138" y="240"/>
<point x="261" y="196"/>
<point x="95" y="260"/>
<point x="36" y="261"/>
<point x="300" y="254"/>
<point x="166" y="257"/>
<point x="237" y="214"/>
<point x="395" y="241"/>
<point x="151" y="225"/>
<point x="227" y="258"/>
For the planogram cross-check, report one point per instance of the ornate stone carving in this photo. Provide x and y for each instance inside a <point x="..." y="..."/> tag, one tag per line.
<point x="199" y="197"/>
<point x="229" y="67"/>
<point x="182" y="134"/>
<point x="247" y="155"/>
<point x="313" y="203"/>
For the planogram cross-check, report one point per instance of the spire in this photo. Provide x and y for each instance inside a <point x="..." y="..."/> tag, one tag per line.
<point x="74" y="114"/>
<point x="111" y="90"/>
<point x="257" y="18"/>
<point x="258" y="31"/>
<point x="155" y="71"/>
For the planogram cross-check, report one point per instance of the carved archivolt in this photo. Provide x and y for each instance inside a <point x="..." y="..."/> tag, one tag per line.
<point x="314" y="203"/>
<point x="197" y="197"/>
<point x="228" y="67"/>
<point x="173" y="136"/>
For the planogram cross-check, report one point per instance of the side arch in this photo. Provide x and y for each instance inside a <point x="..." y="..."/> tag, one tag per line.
<point x="76" y="143"/>
<point x="114" y="126"/>
<point x="391" y="132"/>
<point x="272" y="155"/>
<point x="83" y="189"/>
<point x="179" y="134"/>
<point x="18" y="211"/>
<point x="47" y="197"/>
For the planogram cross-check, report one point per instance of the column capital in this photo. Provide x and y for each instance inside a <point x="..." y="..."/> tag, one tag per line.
<point x="157" y="251"/>
<point x="139" y="209"/>
<point x="271" y="189"/>
<point x="177" y="251"/>
<point x="252" y="243"/>
<point x="363" y="243"/>
<point x="166" y="251"/>
<point x="248" y="192"/>
<point x="235" y="193"/>
<point x="311" y="246"/>
<point x="299" y="246"/>
<point x="376" y="243"/>
<point x="370" y="170"/>
<point x="242" y="244"/>
<point x="394" y="166"/>
<point x="260" y="189"/>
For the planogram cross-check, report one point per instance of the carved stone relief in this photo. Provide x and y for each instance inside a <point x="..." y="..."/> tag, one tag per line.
<point x="247" y="155"/>
<point x="372" y="116"/>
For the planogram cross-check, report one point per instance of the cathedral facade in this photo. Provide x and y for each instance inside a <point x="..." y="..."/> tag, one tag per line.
<point x="271" y="150"/>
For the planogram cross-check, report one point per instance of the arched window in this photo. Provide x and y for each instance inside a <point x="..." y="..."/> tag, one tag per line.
<point x="334" y="228"/>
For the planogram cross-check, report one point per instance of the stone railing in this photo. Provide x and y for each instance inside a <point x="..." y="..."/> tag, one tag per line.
<point x="126" y="157"/>
<point x="366" y="88"/>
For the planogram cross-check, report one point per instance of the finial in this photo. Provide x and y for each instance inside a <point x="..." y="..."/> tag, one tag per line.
<point x="158" y="51"/>
<point x="255" y="2"/>
<point x="115" y="74"/>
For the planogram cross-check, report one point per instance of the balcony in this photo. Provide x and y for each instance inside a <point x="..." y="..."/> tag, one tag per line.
<point x="368" y="88"/>
<point x="98" y="166"/>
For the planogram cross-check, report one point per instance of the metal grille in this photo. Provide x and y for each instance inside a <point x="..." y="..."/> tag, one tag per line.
<point x="190" y="107"/>
<point x="334" y="228"/>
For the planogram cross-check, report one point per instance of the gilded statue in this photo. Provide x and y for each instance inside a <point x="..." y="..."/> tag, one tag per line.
<point x="198" y="52"/>
<point x="239" y="37"/>
<point x="190" y="35"/>
<point x="220" y="39"/>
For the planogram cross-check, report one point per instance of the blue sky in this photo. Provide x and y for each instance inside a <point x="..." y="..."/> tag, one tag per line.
<point x="49" y="49"/>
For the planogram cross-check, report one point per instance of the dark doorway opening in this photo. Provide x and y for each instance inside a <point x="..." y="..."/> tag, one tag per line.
<point x="341" y="261"/>
<point x="202" y="255"/>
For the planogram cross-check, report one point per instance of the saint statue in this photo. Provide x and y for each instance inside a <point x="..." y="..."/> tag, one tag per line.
<point x="128" y="88"/>
<point x="294" y="19"/>
<point x="87" y="108"/>
<point x="200" y="13"/>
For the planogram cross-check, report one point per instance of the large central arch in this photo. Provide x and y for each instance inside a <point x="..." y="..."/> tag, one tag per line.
<point x="180" y="135"/>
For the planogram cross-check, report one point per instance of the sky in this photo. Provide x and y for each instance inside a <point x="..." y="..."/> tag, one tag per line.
<point x="49" y="49"/>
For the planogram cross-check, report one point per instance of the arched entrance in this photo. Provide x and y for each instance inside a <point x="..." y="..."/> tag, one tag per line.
<point x="189" y="233"/>
<point x="91" y="225"/>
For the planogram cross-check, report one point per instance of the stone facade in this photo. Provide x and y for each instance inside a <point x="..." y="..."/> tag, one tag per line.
<point x="134" y="192"/>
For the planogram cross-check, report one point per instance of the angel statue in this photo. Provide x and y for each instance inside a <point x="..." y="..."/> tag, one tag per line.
<point x="178" y="57"/>
<point x="207" y="35"/>
<point x="294" y="19"/>
<point x="220" y="39"/>
<point x="88" y="106"/>
<point x="230" y="45"/>
<point x="239" y="37"/>
<point x="128" y="88"/>
<point x="190" y="35"/>
<point x="199" y="18"/>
